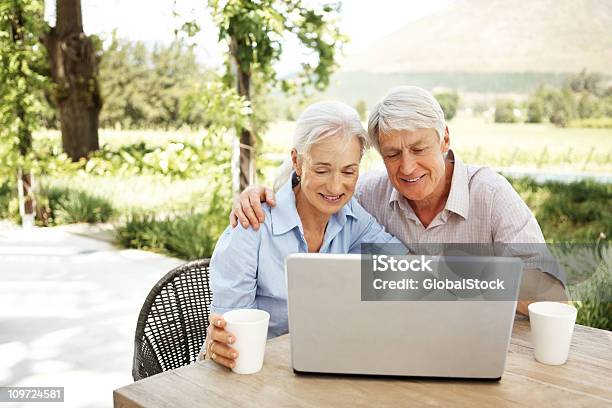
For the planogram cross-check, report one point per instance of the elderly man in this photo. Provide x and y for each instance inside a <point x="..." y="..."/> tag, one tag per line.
<point x="428" y="195"/>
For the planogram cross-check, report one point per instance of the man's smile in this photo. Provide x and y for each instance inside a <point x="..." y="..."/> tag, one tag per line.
<point x="412" y="180"/>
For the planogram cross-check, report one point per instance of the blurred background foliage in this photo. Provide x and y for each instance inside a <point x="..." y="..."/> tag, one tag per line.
<point x="162" y="175"/>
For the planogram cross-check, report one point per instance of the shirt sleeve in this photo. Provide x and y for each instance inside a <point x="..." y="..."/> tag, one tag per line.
<point x="366" y="230"/>
<point x="516" y="232"/>
<point x="233" y="269"/>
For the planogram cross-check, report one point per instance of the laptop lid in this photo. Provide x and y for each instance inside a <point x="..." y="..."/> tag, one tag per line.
<point x="334" y="331"/>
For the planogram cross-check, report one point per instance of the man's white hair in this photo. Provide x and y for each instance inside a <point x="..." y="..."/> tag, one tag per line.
<point x="405" y="108"/>
<point x="321" y="120"/>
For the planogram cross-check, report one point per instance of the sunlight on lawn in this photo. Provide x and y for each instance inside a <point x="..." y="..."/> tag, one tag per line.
<point x="528" y="146"/>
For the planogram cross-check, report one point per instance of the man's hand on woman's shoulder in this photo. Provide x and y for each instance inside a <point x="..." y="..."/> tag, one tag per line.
<point x="247" y="206"/>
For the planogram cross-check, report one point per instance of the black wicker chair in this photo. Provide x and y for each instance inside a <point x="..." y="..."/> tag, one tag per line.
<point x="173" y="320"/>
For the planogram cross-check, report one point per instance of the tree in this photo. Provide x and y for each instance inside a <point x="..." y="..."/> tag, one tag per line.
<point x="504" y="111"/>
<point x="254" y="30"/>
<point x="449" y="102"/>
<point x="362" y="109"/>
<point x="74" y="70"/>
<point x="563" y="107"/>
<point x="535" y="111"/>
<point x="124" y="72"/>
<point x="152" y="86"/>
<point x="587" y="105"/>
<point x="590" y="82"/>
<point x="22" y="84"/>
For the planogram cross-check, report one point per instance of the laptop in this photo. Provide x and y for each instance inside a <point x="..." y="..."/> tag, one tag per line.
<point x="334" y="331"/>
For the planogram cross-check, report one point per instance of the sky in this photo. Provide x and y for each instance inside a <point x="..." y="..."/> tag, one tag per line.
<point x="153" y="21"/>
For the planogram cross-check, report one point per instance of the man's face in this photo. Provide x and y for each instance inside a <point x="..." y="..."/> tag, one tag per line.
<point x="414" y="161"/>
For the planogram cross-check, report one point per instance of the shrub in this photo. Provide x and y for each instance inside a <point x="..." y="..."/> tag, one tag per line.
<point x="593" y="297"/>
<point x="179" y="159"/>
<point x="590" y="82"/>
<point x="578" y="212"/>
<point x="57" y="205"/>
<point x="449" y="101"/>
<point x="535" y="111"/>
<point x="587" y="106"/>
<point x="574" y="212"/>
<point x="8" y="201"/>
<point x="563" y="107"/>
<point x="605" y="105"/>
<point x="504" y="111"/>
<point x="479" y="108"/>
<point x="187" y="236"/>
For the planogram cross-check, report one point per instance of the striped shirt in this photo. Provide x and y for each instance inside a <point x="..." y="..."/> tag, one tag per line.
<point x="482" y="208"/>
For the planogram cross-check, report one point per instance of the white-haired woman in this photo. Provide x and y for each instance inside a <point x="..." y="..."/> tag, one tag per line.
<point x="315" y="212"/>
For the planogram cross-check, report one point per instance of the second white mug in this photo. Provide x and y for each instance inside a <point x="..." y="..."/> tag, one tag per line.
<point x="552" y="326"/>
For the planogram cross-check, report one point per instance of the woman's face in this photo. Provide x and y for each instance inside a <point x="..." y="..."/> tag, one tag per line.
<point x="329" y="173"/>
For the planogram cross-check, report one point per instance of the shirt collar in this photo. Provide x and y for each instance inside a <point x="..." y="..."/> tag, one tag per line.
<point x="396" y="197"/>
<point x="284" y="216"/>
<point x="458" y="198"/>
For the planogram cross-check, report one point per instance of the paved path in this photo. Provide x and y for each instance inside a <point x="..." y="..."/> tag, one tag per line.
<point x="68" y="310"/>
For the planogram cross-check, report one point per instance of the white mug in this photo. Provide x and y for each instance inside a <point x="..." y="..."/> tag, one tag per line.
<point x="552" y="325"/>
<point x="250" y="329"/>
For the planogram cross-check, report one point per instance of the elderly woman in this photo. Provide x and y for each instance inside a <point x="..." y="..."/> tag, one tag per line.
<point x="315" y="212"/>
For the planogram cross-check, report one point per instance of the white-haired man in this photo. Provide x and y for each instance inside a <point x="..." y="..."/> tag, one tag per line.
<point x="428" y="195"/>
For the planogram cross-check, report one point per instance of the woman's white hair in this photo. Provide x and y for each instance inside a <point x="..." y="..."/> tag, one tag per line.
<point x="405" y="108"/>
<point x="318" y="121"/>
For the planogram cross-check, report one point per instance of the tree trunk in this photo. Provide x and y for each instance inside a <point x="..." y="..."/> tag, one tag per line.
<point x="247" y="139"/>
<point x="24" y="133"/>
<point x="74" y="70"/>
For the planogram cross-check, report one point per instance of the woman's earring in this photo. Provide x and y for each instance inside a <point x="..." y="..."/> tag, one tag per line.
<point x="295" y="180"/>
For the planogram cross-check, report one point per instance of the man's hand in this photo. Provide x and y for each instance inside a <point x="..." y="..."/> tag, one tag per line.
<point x="247" y="206"/>
<point x="538" y="286"/>
<point x="218" y="343"/>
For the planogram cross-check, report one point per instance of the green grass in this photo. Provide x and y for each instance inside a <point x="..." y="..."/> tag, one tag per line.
<point x="596" y="123"/>
<point x="116" y="138"/>
<point x="146" y="193"/>
<point x="538" y="147"/>
<point x="532" y="146"/>
<point x="535" y="147"/>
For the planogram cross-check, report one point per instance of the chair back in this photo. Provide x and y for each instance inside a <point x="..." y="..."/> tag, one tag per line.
<point x="172" y="324"/>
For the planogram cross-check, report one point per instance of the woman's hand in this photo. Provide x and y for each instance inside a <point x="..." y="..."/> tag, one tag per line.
<point x="218" y="342"/>
<point x="247" y="206"/>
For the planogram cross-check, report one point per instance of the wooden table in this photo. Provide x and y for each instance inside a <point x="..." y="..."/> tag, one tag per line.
<point x="584" y="381"/>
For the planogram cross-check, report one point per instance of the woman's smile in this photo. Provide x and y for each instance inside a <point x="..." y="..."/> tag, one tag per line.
<point x="332" y="198"/>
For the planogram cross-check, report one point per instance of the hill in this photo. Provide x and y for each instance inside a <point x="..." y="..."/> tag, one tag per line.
<point x="498" y="36"/>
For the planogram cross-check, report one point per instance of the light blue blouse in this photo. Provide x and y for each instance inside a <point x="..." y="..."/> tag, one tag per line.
<point x="248" y="267"/>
